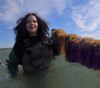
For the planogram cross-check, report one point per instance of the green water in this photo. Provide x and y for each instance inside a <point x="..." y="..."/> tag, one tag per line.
<point x="61" y="74"/>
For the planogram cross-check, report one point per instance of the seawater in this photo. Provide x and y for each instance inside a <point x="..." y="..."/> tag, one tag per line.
<point x="61" y="74"/>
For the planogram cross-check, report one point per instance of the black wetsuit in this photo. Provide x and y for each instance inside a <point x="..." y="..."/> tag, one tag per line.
<point x="33" y="55"/>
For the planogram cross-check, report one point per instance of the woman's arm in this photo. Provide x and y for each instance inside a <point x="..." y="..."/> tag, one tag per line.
<point x="12" y="64"/>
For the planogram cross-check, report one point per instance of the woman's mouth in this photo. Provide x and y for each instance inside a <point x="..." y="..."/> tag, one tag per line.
<point x="31" y="27"/>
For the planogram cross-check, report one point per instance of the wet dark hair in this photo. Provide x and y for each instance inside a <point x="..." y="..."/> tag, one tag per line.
<point x="21" y="32"/>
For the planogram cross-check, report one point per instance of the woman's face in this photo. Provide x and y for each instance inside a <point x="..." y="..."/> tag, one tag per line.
<point x="32" y="25"/>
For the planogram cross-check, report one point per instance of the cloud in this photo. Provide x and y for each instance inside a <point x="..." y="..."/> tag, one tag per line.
<point x="87" y="17"/>
<point x="95" y="35"/>
<point x="9" y="10"/>
<point x="12" y="9"/>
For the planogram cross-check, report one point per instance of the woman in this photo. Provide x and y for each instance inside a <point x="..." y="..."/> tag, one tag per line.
<point x="32" y="48"/>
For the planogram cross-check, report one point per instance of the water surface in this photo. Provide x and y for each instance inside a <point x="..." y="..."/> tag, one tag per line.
<point x="61" y="74"/>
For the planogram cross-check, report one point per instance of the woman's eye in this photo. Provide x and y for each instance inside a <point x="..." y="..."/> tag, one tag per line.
<point x="34" y="21"/>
